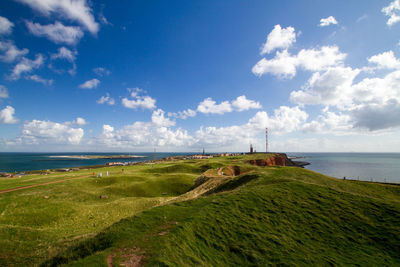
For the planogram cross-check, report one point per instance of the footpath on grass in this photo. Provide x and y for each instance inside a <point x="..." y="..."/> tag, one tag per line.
<point x="41" y="184"/>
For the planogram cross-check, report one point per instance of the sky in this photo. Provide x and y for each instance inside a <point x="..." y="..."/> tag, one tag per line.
<point x="180" y="76"/>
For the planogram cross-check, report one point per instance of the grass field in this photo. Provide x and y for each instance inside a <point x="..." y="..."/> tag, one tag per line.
<point x="158" y="216"/>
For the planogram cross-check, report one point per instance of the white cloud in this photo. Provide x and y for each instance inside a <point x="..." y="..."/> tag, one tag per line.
<point x="363" y="17"/>
<point x="3" y="92"/>
<point x="393" y="12"/>
<point x="26" y="66"/>
<point x="38" y="79"/>
<point x="76" y="10"/>
<point x="5" y="25"/>
<point x="11" y="52"/>
<point x="146" y="134"/>
<point x="106" y="100"/>
<point x="158" y="119"/>
<point x="90" y="84"/>
<point x="183" y="114"/>
<point x="209" y="106"/>
<point x="79" y="121"/>
<point x="7" y="115"/>
<point x="372" y="104"/>
<point x="158" y="132"/>
<point x="241" y="103"/>
<point x="279" y="38"/>
<point x="285" y="120"/>
<point x="385" y="60"/>
<point x="328" y="88"/>
<point x="64" y="53"/>
<point x="67" y="54"/>
<point x="327" y="21"/>
<point x="320" y="59"/>
<point x="57" y="32"/>
<point x="144" y="102"/>
<point x="330" y="123"/>
<point x="47" y="132"/>
<point x="284" y="65"/>
<point x="100" y="71"/>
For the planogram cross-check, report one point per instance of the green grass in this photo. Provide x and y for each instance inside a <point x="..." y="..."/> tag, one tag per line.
<point x="265" y="216"/>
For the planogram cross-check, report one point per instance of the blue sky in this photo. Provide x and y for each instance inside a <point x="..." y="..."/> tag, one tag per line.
<point x="81" y="75"/>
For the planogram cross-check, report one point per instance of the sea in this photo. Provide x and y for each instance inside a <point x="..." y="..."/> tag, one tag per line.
<point x="376" y="167"/>
<point x="20" y="162"/>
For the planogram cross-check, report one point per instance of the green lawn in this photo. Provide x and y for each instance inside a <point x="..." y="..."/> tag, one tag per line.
<point x="265" y="216"/>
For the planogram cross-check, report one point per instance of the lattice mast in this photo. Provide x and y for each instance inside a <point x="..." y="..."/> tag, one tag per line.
<point x="266" y="140"/>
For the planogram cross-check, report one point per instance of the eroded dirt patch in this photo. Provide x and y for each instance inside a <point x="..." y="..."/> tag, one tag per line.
<point x="130" y="257"/>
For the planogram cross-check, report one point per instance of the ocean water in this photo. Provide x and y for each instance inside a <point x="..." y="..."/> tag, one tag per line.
<point x="377" y="167"/>
<point x="19" y="162"/>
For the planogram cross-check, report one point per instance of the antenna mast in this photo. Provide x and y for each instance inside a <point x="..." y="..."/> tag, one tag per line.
<point x="266" y="140"/>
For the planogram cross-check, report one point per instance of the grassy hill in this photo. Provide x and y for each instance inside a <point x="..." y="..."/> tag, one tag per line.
<point x="186" y="213"/>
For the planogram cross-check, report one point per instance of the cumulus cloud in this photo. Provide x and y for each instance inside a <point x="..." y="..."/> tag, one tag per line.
<point x="7" y="115"/>
<point x="106" y="100"/>
<point x="330" y="123"/>
<point x="372" y="104"/>
<point x="241" y="103"/>
<point x="158" y="119"/>
<point x="77" y="122"/>
<point x="90" y="84"/>
<point x="10" y="52"/>
<point x="183" y="114"/>
<point x="146" y="134"/>
<point x="327" y="21"/>
<point x="57" y="32"/>
<point x="327" y="88"/>
<point x="26" y="66"/>
<point x="279" y="38"/>
<point x="385" y="60"/>
<point x="138" y="101"/>
<point x="284" y="64"/>
<point x="284" y="120"/>
<point x="5" y="25"/>
<point x="3" y="92"/>
<point x="144" y="102"/>
<point x="64" y="53"/>
<point x="38" y="79"/>
<point x="377" y="116"/>
<point x="209" y="106"/>
<point x="48" y="132"/>
<point x="76" y="10"/>
<point x="393" y="12"/>
<point x="100" y="71"/>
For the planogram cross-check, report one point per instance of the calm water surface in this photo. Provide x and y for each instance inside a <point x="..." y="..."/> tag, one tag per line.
<point x="382" y="167"/>
<point x="19" y="162"/>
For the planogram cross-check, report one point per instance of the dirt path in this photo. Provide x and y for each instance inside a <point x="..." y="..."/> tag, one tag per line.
<point x="220" y="171"/>
<point x="36" y="185"/>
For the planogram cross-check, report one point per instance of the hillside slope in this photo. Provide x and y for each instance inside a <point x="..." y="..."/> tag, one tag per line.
<point x="262" y="216"/>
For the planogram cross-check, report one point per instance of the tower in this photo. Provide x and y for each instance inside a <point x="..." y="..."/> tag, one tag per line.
<point x="266" y="140"/>
<point x="251" y="149"/>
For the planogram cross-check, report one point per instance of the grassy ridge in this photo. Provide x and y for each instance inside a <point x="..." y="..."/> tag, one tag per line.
<point x="278" y="216"/>
<point x="266" y="215"/>
<point x="39" y="222"/>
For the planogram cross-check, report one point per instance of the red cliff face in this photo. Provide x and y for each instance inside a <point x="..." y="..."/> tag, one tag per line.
<point x="277" y="160"/>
